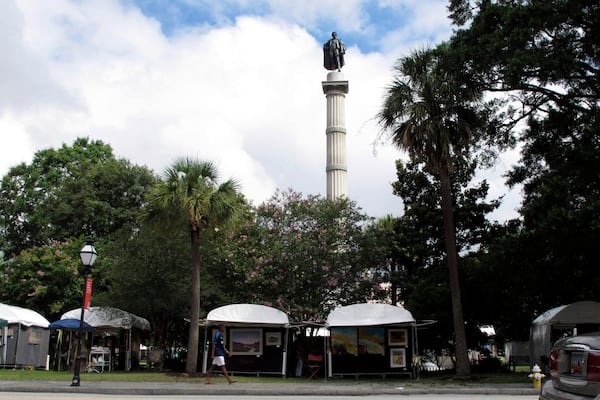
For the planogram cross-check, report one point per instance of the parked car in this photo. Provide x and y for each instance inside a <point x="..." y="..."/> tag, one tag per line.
<point x="574" y="369"/>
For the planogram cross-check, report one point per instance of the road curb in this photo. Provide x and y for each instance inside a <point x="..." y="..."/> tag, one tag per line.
<point x="254" y="389"/>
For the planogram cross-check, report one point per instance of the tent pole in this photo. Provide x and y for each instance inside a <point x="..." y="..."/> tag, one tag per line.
<point x="4" y="344"/>
<point x="285" y="350"/>
<point x="17" y="344"/>
<point x="325" y="356"/>
<point x="415" y="353"/>
<point x="129" y="351"/>
<point x="205" y="355"/>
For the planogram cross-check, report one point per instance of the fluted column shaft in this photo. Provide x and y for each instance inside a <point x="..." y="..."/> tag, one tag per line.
<point x="335" y="89"/>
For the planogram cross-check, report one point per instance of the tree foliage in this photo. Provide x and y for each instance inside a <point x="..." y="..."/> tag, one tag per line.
<point x="47" y="278"/>
<point x="147" y="274"/>
<point x="189" y="198"/>
<point x="545" y="52"/>
<point x="544" y="56"/>
<point x="301" y="255"/>
<point x="78" y="190"/>
<point x="422" y="276"/>
<point x="429" y="111"/>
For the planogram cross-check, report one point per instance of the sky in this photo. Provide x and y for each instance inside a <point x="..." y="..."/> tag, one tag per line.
<point x="235" y="82"/>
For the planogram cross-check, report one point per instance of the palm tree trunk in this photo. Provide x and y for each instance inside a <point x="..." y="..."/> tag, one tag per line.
<point x="194" y="336"/>
<point x="463" y="368"/>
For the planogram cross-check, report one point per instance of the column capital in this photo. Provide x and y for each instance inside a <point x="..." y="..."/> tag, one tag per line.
<point x="335" y="86"/>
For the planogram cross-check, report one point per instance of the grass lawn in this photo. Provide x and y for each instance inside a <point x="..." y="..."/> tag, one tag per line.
<point x="144" y="376"/>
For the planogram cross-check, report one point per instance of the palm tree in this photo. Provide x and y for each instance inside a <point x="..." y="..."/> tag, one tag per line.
<point x="189" y="193"/>
<point x="426" y="112"/>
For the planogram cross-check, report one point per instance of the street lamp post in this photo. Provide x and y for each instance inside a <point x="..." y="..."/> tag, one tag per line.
<point x="88" y="256"/>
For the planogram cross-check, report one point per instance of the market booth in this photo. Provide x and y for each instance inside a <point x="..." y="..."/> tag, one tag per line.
<point x="566" y="320"/>
<point x="256" y="336"/>
<point x="115" y="340"/>
<point x="24" y="339"/>
<point x="371" y="339"/>
<point x="62" y="333"/>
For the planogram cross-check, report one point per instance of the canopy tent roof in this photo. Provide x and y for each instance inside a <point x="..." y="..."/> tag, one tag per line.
<point x="23" y="316"/>
<point x="369" y="314"/>
<point x="248" y="314"/>
<point x="582" y="312"/>
<point x="108" y="318"/>
<point x="70" y="323"/>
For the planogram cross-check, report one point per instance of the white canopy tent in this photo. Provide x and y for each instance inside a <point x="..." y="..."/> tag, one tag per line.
<point x="369" y="314"/>
<point x="109" y="319"/>
<point x="23" y="316"/>
<point x="562" y="317"/>
<point x="380" y="320"/>
<point x="28" y="341"/>
<point x="248" y="315"/>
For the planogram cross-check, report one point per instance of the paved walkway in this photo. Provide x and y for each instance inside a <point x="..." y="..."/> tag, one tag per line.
<point x="289" y="387"/>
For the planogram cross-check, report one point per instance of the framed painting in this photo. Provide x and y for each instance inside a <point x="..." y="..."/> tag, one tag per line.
<point x="371" y="340"/>
<point x="398" y="337"/>
<point x="398" y="358"/>
<point x="273" y="338"/>
<point x="246" y="341"/>
<point x="344" y="340"/>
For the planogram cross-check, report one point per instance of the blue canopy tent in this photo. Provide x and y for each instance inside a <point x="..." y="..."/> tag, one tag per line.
<point x="70" y="324"/>
<point x="63" y="326"/>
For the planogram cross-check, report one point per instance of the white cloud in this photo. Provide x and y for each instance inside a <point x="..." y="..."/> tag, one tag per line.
<point x="245" y="95"/>
<point x="16" y="146"/>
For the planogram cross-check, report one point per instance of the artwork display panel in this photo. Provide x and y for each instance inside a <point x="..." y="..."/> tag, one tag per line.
<point x="246" y="341"/>
<point x="344" y="340"/>
<point x="398" y="358"/>
<point x="273" y="339"/>
<point x="398" y="337"/>
<point x="371" y="340"/>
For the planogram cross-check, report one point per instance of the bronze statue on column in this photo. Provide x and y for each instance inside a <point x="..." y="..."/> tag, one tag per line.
<point x="333" y="53"/>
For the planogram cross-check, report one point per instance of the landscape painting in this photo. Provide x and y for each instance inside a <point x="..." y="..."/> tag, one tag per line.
<point x="246" y="341"/>
<point x="371" y="340"/>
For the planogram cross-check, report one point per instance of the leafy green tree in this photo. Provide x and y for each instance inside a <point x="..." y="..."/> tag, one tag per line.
<point x="190" y="197"/>
<point x="78" y="190"/>
<point x="502" y="269"/>
<point x="301" y="255"/>
<point x="428" y="112"/>
<point x="147" y="274"/>
<point x="47" y="279"/>
<point x="385" y="253"/>
<point x="418" y="236"/>
<point x="544" y="56"/>
<point x="545" y="53"/>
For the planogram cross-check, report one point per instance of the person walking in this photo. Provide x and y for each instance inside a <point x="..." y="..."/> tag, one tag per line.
<point x="218" y="352"/>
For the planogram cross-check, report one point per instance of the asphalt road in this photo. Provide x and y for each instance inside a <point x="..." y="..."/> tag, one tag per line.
<point x="85" y="396"/>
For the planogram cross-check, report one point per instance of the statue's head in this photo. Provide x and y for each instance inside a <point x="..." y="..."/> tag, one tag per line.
<point x="333" y="35"/>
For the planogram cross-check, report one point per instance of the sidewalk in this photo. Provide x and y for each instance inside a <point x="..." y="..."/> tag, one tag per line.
<point x="298" y="388"/>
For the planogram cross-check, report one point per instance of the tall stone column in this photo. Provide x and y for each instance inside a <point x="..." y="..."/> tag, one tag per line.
<point x="335" y="89"/>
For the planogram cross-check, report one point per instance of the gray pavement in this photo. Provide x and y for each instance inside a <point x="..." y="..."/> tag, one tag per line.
<point x="286" y="387"/>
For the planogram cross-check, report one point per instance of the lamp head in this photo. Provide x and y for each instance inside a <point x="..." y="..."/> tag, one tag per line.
<point x="88" y="254"/>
